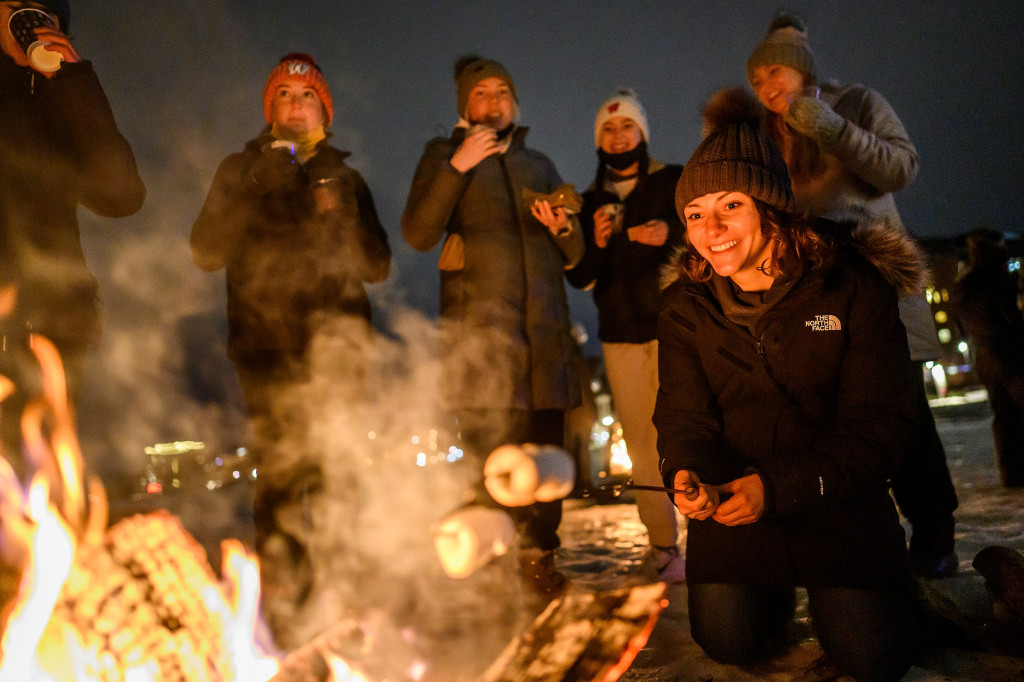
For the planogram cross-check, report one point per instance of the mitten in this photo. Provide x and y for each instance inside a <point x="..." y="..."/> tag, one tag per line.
<point x="815" y="119"/>
<point x="273" y="168"/>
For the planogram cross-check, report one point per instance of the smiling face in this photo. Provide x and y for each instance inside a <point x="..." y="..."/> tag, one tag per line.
<point x="296" y="108"/>
<point x="620" y="134"/>
<point x="725" y="228"/>
<point x="775" y="85"/>
<point x="491" y="103"/>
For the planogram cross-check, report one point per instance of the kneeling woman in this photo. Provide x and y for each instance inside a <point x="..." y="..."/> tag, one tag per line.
<point x="784" y="404"/>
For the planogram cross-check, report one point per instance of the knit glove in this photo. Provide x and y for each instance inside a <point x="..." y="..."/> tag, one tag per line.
<point x="273" y="168"/>
<point x="816" y="120"/>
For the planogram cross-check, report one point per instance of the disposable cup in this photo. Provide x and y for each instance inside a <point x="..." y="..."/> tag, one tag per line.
<point x="23" y="24"/>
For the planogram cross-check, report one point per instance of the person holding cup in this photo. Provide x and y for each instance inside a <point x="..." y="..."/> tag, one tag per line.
<point x="60" y="148"/>
<point x="631" y="229"/>
<point x="847" y="152"/>
<point x="295" y="229"/>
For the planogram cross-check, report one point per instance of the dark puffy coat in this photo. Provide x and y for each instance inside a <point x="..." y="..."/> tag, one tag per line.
<point x="59" y="147"/>
<point x="504" y="314"/>
<point x="624" y="275"/>
<point x="817" y="401"/>
<point x="287" y="266"/>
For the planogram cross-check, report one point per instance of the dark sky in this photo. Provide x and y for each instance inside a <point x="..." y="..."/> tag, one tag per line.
<point x="185" y="81"/>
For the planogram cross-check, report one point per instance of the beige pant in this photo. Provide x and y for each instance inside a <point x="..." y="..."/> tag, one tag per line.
<point x="632" y="370"/>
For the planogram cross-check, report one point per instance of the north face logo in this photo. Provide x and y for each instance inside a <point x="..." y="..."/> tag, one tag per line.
<point x="824" y="323"/>
<point x="297" y="68"/>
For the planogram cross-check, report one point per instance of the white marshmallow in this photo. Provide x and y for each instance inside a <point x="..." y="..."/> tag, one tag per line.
<point x="469" y="538"/>
<point x="520" y="475"/>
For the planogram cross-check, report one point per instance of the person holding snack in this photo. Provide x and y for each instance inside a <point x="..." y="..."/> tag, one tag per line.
<point x="632" y="229"/>
<point x="847" y="152"/>
<point x="506" y="345"/>
<point x="297" y="233"/>
<point x="783" y="409"/>
<point x="60" y="148"/>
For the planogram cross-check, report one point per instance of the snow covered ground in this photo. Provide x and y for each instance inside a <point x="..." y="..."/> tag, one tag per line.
<point x="604" y="546"/>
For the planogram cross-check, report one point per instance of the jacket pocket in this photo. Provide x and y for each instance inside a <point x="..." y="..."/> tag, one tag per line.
<point x="453" y="254"/>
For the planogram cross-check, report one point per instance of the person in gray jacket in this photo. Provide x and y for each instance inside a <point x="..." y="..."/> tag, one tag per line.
<point x="847" y="152"/>
<point x="505" y="338"/>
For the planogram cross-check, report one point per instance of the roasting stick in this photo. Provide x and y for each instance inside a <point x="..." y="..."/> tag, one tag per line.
<point x="688" y="493"/>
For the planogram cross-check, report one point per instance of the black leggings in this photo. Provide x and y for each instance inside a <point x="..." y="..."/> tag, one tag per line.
<point x="867" y="635"/>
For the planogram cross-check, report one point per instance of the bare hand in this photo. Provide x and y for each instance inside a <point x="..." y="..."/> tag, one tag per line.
<point x="698" y="504"/>
<point x="475" y="148"/>
<point x="603" y="223"/>
<point x="555" y="219"/>
<point x="744" y="501"/>
<point x="58" y="42"/>
<point x="651" y="233"/>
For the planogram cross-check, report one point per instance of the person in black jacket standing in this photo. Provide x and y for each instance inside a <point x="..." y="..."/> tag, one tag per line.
<point x="60" y="148"/>
<point x="631" y="229"/>
<point x="296" y="230"/>
<point x="984" y="303"/>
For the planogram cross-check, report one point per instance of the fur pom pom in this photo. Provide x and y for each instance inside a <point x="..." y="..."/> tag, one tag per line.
<point x="786" y="20"/>
<point x="464" y="61"/>
<point x="733" y="105"/>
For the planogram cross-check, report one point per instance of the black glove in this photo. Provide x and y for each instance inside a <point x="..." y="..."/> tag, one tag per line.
<point x="273" y="168"/>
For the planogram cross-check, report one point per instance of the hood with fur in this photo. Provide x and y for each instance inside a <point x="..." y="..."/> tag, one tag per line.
<point x="889" y="250"/>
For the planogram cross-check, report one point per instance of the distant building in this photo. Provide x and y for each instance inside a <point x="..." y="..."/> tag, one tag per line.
<point x="948" y="260"/>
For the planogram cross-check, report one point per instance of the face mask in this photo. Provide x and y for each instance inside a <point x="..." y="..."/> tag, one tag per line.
<point x="623" y="160"/>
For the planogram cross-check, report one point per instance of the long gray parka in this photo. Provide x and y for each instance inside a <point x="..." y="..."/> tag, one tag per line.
<point x="504" y="314"/>
<point x="816" y="400"/>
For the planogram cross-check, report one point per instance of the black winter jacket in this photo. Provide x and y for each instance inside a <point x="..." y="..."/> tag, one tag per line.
<point x="504" y="313"/>
<point x="818" y="401"/>
<point x="59" y="147"/>
<point x="288" y="266"/>
<point x="624" y="275"/>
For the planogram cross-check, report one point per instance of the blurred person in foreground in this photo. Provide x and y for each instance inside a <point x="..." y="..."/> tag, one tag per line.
<point x="631" y="229"/>
<point x="784" y="408"/>
<point x="506" y="345"/>
<point x="847" y="152"/>
<point x="297" y="233"/>
<point x="984" y="304"/>
<point x="60" y="148"/>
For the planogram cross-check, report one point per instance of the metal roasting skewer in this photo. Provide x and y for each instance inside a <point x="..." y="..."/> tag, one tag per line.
<point x="688" y="493"/>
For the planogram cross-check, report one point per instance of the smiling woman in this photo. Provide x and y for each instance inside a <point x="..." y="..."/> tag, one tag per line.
<point x="783" y="403"/>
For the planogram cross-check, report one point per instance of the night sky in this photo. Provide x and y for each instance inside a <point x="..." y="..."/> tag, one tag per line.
<point x="185" y="82"/>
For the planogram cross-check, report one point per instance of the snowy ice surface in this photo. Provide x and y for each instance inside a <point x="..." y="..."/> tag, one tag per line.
<point x="604" y="547"/>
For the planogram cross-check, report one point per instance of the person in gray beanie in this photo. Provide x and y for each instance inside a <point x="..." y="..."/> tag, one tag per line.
<point x="783" y="409"/>
<point x="847" y="152"/>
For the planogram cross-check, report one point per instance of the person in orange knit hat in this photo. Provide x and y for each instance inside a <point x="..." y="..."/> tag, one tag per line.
<point x="297" y="233"/>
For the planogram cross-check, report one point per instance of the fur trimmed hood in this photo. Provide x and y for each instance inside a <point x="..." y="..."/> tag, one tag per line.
<point x="891" y="251"/>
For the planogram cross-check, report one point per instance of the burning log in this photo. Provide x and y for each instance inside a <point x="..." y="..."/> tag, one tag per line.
<point x="140" y="601"/>
<point x="582" y="636"/>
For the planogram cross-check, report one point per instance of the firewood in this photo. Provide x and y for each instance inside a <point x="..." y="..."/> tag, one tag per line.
<point x="582" y="635"/>
<point x="137" y="599"/>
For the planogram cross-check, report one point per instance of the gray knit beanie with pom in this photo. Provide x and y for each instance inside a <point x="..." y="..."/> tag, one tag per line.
<point x="784" y="43"/>
<point x="735" y="156"/>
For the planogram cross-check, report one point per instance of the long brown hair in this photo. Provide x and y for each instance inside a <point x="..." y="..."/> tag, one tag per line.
<point x="794" y="241"/>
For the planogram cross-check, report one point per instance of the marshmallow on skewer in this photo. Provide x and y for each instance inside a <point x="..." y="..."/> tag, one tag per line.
<point x="520" y="475"/>
<point x="466" y="540"/>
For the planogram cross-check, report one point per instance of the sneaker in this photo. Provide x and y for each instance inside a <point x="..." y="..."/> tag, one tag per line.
<point x="670" y="566"/>
<point x="540" y="574"/>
